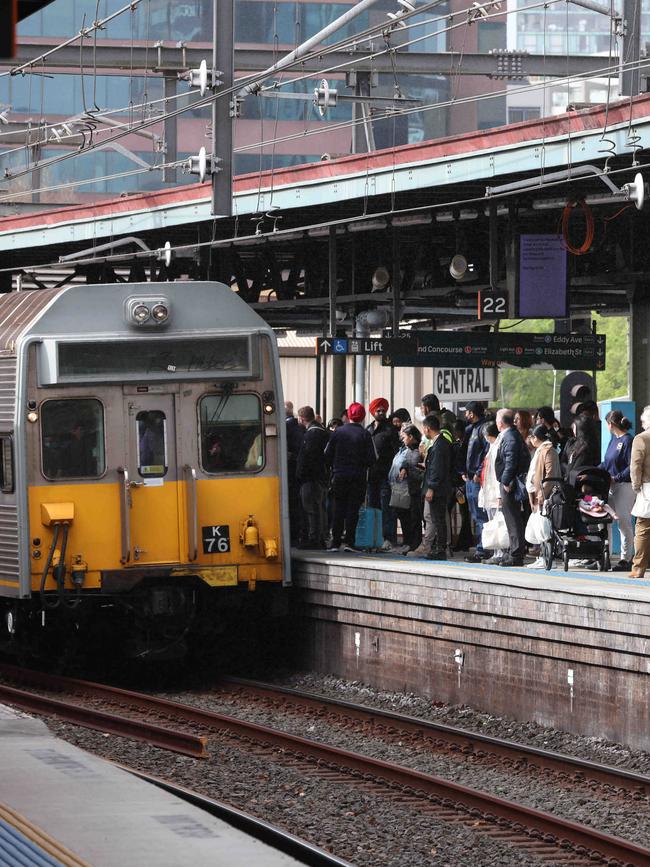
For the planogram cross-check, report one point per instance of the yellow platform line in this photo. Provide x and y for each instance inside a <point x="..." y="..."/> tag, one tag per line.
<point x="40" y="838"/>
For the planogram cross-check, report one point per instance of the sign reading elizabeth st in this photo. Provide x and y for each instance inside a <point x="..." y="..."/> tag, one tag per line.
<point x="456" y="349"/>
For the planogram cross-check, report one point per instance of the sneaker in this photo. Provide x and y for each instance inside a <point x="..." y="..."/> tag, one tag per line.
<point x="387" y="546"/>
<point x="537" y="564"/>
<point x="420" y="551"/>
<point x="576" y="564"/>
<point x="494" y="560"/>
<point x="511" y="561"/>
<point x="473" y="558"/>
<point x="437" y="555"/>
<point x="349" y="549"/>
<point x="622" y="566"/>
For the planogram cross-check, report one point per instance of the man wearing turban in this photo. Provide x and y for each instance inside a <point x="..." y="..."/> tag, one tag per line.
<point x="386" y="439"/>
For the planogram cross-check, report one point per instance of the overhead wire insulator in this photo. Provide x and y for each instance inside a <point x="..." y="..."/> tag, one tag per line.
<point x="325" y="97"/>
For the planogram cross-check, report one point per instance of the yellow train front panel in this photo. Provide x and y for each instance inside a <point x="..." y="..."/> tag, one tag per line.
<point x="233" y="535"/>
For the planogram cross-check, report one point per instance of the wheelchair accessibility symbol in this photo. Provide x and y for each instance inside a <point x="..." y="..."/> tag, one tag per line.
<point x="340" y="347"/>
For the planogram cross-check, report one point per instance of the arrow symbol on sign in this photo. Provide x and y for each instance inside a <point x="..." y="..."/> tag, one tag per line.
<point x="325" y="345"/>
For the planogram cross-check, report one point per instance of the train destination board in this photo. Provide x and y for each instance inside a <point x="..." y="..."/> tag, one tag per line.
<point x="483" y="349"/>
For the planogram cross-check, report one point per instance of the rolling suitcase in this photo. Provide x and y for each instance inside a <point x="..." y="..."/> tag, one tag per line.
<point x="369" y="534"/>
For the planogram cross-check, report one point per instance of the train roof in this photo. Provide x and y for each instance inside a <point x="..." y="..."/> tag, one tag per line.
<point x="94" y="310"/>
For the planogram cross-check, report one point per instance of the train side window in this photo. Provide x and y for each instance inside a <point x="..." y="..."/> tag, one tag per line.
<point x="231" y="433"/>
<point x="6" y="465"/>
<point x="152" y="443"/>
<point x="72" y="437"/>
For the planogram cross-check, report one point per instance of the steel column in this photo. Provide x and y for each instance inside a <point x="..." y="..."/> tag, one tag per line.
<point x="223" y="33"/>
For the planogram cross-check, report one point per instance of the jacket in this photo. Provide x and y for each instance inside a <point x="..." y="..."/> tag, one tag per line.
<point x="350" y="452"/>
<point x="640" y="463"/>
<point x="513" y="457"/>
<point x="311" y="465"/>
<point x="407" y="458"/>
<point x="617" y="458"/>
<point x="547" y="466"/>
<point x="385" y="437"/>
<point x="437" y="470"/>
<point x="477" y="448"/>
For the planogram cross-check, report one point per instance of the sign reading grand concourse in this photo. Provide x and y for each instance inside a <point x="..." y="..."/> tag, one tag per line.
<point x="456" y="349"/>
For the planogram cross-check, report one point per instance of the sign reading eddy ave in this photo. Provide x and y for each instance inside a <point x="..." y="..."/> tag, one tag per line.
<point x="482" y="349"/>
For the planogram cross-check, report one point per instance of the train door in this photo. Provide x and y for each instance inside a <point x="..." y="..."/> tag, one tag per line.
<point x="151" y="481"/>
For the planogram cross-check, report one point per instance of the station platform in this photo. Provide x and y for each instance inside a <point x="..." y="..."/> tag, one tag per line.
<point x="62" y="806"/>
<point x="565" y="649"/>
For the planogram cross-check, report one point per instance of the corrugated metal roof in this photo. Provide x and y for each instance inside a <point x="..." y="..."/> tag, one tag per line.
<point x="18" y="310"/>
<point x="479" y="156"/>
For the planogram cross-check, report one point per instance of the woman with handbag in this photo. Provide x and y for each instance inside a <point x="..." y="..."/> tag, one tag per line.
<point x="545" y="464"/>
<point x="621" y="496"/>
<point x="405" y="477"/>
<point x="640" y="475"/>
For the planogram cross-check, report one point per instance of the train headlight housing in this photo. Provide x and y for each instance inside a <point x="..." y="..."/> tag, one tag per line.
<point x="160" y="312"/>
<point x="141" y="314"/>
<point x="148" y="311"/>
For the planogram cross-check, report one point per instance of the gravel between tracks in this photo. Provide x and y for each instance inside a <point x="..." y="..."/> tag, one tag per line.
<point x="366" y="828"/>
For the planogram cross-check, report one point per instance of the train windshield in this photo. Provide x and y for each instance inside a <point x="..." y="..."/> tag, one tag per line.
<point x="152" y="443"/>
<point x="231" y="433"/>
<point x="72" y="436"/>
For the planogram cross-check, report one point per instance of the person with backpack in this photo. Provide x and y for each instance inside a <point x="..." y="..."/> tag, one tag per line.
<point x="511" y="463"/>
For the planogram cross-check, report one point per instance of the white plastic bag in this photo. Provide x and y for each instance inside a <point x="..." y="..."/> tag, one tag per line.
<point x="641" y="507"/>
<point x="495" y="534"/>
<point x="538" y="529"/>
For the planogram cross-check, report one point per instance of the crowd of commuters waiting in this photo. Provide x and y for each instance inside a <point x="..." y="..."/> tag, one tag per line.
<point x="488" y="462"/>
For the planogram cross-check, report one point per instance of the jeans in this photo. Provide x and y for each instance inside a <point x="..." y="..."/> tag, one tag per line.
<point x="478" y="515"/>
<point x="312" y="496"/>
<point x="379" y="498"/>
<point x="436" y="517"/>
<point x="621" y="499"/>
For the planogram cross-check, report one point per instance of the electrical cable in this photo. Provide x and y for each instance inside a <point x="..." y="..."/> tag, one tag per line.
<point x="589" y="228"/>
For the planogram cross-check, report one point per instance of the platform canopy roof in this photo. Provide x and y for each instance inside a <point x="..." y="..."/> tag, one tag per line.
<point x="422" y="202"/>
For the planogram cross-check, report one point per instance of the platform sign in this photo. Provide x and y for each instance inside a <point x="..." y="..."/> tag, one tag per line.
<point x="464" y="383"/>
<point x="360" y="345"/>
<point x="482" y="349"/>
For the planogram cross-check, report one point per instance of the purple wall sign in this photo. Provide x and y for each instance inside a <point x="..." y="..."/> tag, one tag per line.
<point x="542" y="277"/>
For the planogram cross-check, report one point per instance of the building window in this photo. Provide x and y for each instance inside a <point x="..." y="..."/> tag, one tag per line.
<point x="491" y="36"/>
<point x="518" y="114"/>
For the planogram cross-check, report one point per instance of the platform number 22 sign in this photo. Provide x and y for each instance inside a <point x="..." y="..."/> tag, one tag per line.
<point x="492" y="305"/>
<point x="216" y="539"/>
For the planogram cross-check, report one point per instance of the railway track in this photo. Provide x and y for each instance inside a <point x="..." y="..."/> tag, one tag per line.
<point x="544" y="837"/>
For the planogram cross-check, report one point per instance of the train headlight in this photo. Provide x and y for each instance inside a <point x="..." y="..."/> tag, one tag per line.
<point x="141" y="314"/>
<point x="147" y="311"/>
<point x="160" y="312"/>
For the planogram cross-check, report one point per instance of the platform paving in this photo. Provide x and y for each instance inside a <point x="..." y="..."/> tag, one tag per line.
<point x="570" y="650"/>
<point x="104" y="816"/>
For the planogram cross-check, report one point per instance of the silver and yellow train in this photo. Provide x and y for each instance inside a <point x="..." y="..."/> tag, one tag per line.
<point x="142" y="461"/>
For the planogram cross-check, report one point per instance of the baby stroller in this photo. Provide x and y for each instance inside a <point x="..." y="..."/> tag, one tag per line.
<point x="578" y="525"/>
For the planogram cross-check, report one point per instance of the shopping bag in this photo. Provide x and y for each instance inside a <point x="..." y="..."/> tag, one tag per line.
<point x="538" y="529"/>
<point x="641" y="507"/>
<point x="495" y="534"/>
<point x="399" y="495"/>
<point x="369" y="533"/>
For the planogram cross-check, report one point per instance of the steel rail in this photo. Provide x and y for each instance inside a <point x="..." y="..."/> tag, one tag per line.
<point x="545" y="759"/>
<point x="169" y="739"/>
<point x="561" y="832"/>
<point x="299" y="849"/>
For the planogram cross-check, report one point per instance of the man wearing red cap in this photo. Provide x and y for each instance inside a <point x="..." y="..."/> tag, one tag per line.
<point x="350" y="453"/>
<point x="386" y="439"/>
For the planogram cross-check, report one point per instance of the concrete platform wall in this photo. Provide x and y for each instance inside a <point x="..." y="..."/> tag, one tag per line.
<point x="500" y="641"/>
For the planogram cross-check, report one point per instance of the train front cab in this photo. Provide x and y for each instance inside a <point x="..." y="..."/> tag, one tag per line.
<point x="155" y="502"/>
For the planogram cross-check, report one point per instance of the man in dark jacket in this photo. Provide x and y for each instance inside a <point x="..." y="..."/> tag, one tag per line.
<point x="477" y="448"/>
<point x="385" y="437"/>
<point x="436" y="487"/>
<point x="311" y="472"/>
<point x="511" y="462"/>
<point x="350" y="453"/>
<point x="295" y="433"/>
